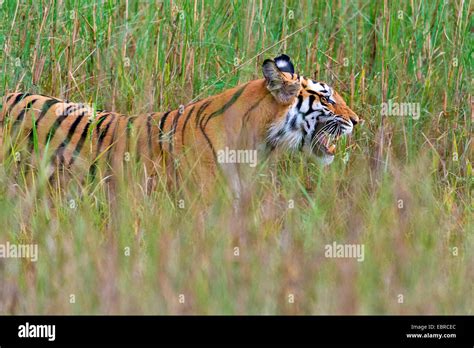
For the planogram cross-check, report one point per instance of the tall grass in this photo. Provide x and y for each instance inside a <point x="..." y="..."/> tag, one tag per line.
<point x="400" y="186"/>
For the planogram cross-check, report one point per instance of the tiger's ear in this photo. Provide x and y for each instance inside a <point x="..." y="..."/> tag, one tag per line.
<point x="283" y="62"/>
<point x="283" y="89"/>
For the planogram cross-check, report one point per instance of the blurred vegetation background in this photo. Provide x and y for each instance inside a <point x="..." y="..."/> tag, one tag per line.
<point x="400" y="186"/>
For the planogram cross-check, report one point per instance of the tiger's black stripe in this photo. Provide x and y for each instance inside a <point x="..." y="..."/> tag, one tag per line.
<point x="100" y="138"/>
<point x="200" y="111"/>
<point x="17" y="99"/>
<point x="293" y="124"/>
<point x="46" y="106"/>
<point x="202" y="124"/>
<point x="102" y="135"/>
<point x="62" y="147"/>
<point x="21" y="116"/>
<point x="175" y="125"/>
<point x="312" y="98"/>
<point x="101" y="119"/>
<point x="226" y="106"/>
<point x="300" y="102"/>
<point x="80" y="143"/>
<point x="14" y="131"/>
<point x="253" y="107"/>
<point x="209" y="143"/>
<point x="57" y="123"/>
<point x="161" y="128"/>
<point x="9" y="97"/>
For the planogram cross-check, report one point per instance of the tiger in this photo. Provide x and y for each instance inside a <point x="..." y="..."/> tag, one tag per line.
<point x="281" y="110"/>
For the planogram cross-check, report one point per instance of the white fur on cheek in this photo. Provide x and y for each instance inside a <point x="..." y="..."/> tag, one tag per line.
<point x="281" y="133"/>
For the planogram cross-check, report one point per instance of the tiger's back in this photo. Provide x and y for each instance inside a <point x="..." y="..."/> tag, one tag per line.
<point x="71" y="135"/>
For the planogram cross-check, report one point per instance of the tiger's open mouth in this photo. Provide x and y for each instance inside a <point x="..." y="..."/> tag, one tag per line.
<point x="328" y="144"/>
<point x="325" y="139"/>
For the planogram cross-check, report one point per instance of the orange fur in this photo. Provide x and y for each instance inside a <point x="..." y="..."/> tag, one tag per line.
<point x="177" y="142"/>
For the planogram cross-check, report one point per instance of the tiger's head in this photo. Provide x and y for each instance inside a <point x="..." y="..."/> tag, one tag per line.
<point x="316" y="117"/>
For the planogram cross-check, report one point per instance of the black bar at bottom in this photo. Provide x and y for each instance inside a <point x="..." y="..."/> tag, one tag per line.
<point x="289" y="330"/>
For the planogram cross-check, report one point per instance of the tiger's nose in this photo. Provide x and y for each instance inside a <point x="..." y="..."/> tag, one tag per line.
<point x="354" y="119"/>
